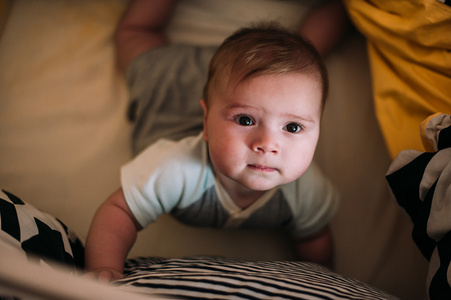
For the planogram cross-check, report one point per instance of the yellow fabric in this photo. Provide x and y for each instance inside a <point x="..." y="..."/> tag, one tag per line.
<point x="409" y="43"/>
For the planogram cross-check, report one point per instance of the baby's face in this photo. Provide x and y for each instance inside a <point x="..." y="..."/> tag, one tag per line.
<point x="264" y="133"/>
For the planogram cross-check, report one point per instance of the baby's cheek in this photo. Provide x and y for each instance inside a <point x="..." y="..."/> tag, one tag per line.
<point x="299" y="165"/>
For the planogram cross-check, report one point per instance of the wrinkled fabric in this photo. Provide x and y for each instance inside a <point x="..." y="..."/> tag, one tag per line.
<point x="409" y="45"/>
<point x="421" y="183"/>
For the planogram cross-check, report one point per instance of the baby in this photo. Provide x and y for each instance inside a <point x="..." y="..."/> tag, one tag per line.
<point x="250" y="167"/>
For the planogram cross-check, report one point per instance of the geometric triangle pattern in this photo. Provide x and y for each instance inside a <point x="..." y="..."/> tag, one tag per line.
<point x="38" y="235"/>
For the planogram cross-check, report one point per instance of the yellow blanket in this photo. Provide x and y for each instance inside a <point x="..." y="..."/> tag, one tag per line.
<point x="409" y="43"/>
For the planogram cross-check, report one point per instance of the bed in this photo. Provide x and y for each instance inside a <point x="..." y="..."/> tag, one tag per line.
<point x="65" y="134"/>
<point x="42" y="258"/>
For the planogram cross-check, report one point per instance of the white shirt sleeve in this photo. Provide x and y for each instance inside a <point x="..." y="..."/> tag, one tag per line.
<point x="165" y="175"/>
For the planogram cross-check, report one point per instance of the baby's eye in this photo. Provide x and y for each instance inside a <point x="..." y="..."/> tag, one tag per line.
<point x="293" y="127"/>
<point x="244" y="120"/>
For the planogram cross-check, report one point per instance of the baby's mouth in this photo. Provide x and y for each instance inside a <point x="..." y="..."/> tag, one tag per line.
<point x="261" y="168"/>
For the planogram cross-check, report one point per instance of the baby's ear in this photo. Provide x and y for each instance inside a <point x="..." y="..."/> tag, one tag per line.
<point x="203" y="103"/>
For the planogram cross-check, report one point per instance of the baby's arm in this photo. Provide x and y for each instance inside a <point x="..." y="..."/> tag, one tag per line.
<point x="326" y="25"/>
<point x="113" y="232"/>
<point x="317" y="248"/>
<point x="141" y="29"/>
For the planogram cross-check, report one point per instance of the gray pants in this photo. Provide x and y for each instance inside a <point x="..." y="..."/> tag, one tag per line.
<point x="165" y="86"/>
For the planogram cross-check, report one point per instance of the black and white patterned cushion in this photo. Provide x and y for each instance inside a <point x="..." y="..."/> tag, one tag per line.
<point x="221" y="278"/>
<point x="37" y="234"/>
<point x="421" y="184"/>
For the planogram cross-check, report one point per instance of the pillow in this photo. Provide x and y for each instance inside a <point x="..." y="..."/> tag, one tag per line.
<point x="202" y="277"/>
<point x="37" y="234"/>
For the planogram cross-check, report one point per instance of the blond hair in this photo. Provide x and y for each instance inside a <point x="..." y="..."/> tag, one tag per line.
<point x="263" y="49"/>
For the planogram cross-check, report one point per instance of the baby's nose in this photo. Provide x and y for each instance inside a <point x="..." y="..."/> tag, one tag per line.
<point x="265" y="142"/>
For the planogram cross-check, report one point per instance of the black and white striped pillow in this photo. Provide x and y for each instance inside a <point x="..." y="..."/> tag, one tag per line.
<point x="221" y="278"/>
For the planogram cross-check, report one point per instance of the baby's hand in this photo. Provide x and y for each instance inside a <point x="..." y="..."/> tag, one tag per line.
<point x="104" y="275"/>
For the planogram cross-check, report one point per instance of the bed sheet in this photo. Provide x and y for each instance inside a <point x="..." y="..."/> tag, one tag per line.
<point x="28" y="235"/>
